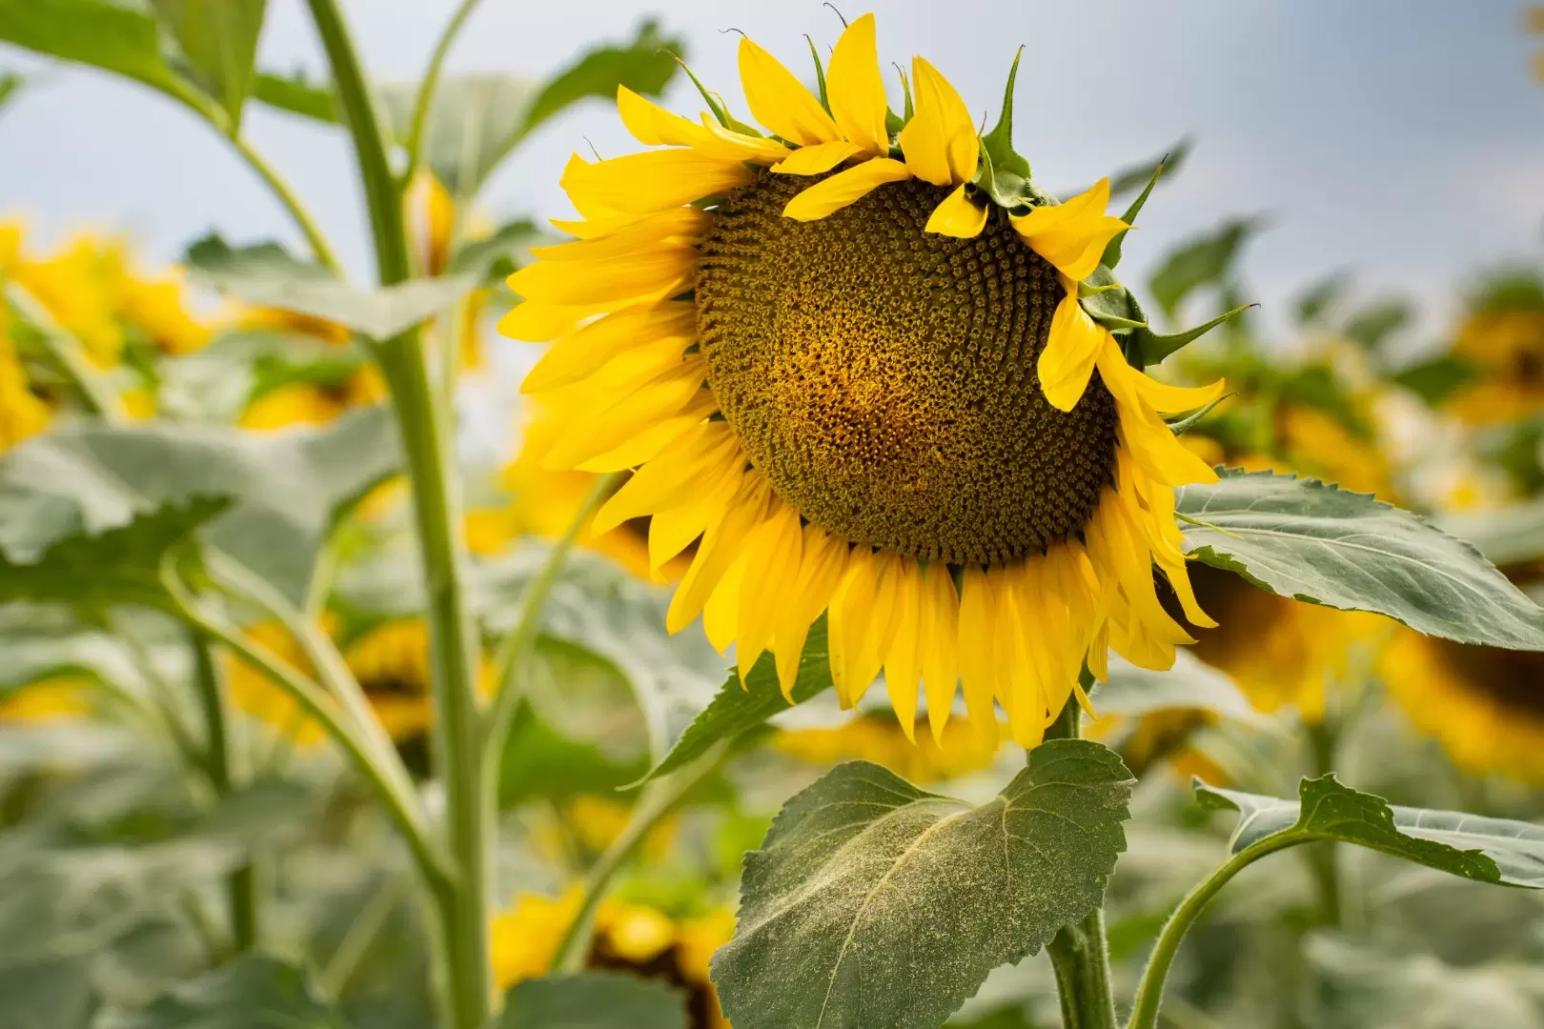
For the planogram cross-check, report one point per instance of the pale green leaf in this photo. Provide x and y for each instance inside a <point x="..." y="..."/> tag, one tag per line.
<point x="218" y="41"/>
<point x="1206" y="261"/>
<point x="1315" y="542"/>
<point x="61" y="491"/>
<point x="874" y="905"/>
<point x="1493" y="850"/>
<point x="252" y="991"/>
<point x="594" y="1000"/>
<point x="265" y="274"/>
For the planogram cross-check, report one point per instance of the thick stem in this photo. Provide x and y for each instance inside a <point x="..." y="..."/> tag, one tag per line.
<point x="1080" y="954"/>
<point x="462" y="907"/>
<point x="1324" y="862"/>
<point x="221" y="765"/>
<point x="1144" y="1013"/>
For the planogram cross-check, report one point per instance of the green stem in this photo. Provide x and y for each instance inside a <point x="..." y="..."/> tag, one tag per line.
<point x="462" y="908"/>
<point x="1149" y="996"/>
<point x="1324" y="862"/>
<point x="396" y="794"/>
<point x="658" y="799"/>
<point x="290" y="201"/>
<point x="423" y="104"/>
<point x="1080" y="953"/>
<point x="214" y="702"/>
<point x="67" y="354"/>
<point x="517" y="644"/>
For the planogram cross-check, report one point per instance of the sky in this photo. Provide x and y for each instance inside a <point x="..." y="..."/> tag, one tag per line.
<point x="1399" y="140"/>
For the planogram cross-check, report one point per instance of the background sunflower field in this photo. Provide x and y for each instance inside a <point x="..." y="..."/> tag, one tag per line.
<point x="263" y="452"/>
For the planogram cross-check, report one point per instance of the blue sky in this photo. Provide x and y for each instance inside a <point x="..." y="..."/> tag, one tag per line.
<point x="1400" y="139"/>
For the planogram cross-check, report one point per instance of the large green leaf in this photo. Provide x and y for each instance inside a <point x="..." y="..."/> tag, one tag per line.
<point x="39" y="645"/>
<point x="60" y="492"/>
<point x="266" y="274"/>
<point x="114" y="36"/>
<point x="1201" y="262"/>
<point x="252" y="991"/>
<point x="1493" y="850"/>
<point x="94" y="570"/>
<point x="739" y="709"/>
<point x="218" y="41"/>
<point x="593" y="1000"/>
<point x="1317" y="543"/>
<point x="873" y="904"/>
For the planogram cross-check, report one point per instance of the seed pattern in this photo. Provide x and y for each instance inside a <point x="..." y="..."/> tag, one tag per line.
<point x="883" y="379"/>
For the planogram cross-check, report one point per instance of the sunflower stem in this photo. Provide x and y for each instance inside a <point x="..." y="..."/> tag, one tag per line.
<point x="1080" y="953"/>
<point x="424" y="423"/>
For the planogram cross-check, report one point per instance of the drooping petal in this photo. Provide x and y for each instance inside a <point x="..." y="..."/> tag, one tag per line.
<point x="1071" y="348"/>
<point x="938" y="624"/>
<point x="779" y="100"/>
<point x="857" y="89"/>
<point x="773" y="557"/>
<point x="940" y="140"/>
<point x="1073" y="235"/>
<point x="843" y="188"/>
<point x="903" y="658"/>
<point x="815" y="160"/>
<point x="720" y="546"/>
<point x="978" y="672"/>
<point x="653" y="125"/>
<point x="957" y="216"/>
<point x="823" y="565"/>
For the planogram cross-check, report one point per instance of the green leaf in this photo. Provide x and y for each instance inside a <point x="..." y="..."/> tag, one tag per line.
<point x="37" y="652"/>
<point x="1146" y="173"/>
<point x="254" y="990"/>
<point x="1493" y="850"/>
<point x="1109" y="303"/>
<point x="997" y="145"/>
<point x="10" y="82"/>
<point x="1374" y="324"/>
<point x="218" y="39"/>
<point x="739" y="710"/>
<point x="218" y="382"/>
<point x="106" y="34"/>
<point x="875" y="904"/>
<point x="1315" y="302"/>
<point x="280" y="493"/>
<point x="1437" y="379"/>
<point x="1191" y="684"/>
<point x="1314" y="542"/>
<point x="296" y="94"/>
<point x="1206" y="261"/>
<point x="265" y="274"/>
<point x="593" y="1000"/>
<point x="93" y="570"/>
<point x="645" y="64"/>
<point x="494" y="258"/>
<point x="1153" y="347"/>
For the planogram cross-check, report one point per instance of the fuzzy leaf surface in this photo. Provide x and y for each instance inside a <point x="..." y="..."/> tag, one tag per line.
<point x="1318" y="543"/>
<point x="874" y="905"/>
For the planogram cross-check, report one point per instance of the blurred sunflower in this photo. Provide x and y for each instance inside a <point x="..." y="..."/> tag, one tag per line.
<point x="45" y="700"/>
<point x="1483" y="704"/>
<point x="22" y="412"/>
<point x="863" y="385"/>
<point x="870" y="738"/>
<point x="629" y="937"/>
<point x="1500" y="347"/>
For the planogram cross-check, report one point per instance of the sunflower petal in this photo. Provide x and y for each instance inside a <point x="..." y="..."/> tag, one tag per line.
<point x="940" y="140"/>
<point x="814" y="160"/>
<point x="779" y="100"/>
<point x="939" y="627"/>
<point x="1071" y="349"/>
<point x="844" y="188"/>
<point x="651" y="181"/>
<point x="957" y="216"/>
<point x="1073" y="235"/>
<point x="856" y="88"/>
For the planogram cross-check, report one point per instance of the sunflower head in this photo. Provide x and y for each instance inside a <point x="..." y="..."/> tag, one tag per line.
<point x="861" y="364"/>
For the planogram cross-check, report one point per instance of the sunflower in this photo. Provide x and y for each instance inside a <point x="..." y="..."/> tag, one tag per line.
<point x="1483" y="704"/>
<point x="629" y="937"/>
<point x="852" y="360"/>
<point x="867" y="737"/>
<point x="1501" y="344"/>
<point x="22" y="412"/>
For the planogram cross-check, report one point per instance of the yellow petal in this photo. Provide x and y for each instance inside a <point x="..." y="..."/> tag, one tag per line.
<point x="957" y="216"/>
<point x="978" y="651"/>
<point x="843" y="188"/>
<point x="630" y="414"/>
<point x="722" y="610"/>
<point x="779" y="100"/>
<point x="823" y="565"/>
<point x="814" y="160"/>
<point x="1171" y="399"/>
<point x="938" y="623"/>
<point x="773" y="557"/>
<point x="660" y="272"/>
<point x="903" y="658"/>
<point x="653" y="125"/>
<point x="584" y="350"/>
<point x="539" y="322"/>
<point x="651" y="181"/>
<point x="667" y="479"/>
<point x="638" y="236"/>
<point x="856" y="88"/>
<point x="940" y="139"/>
<point x="672" y="529"/>
<point x="1073" y="235"/>
<point x="1071" y="349"/>
<point x="720" y="546"/>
